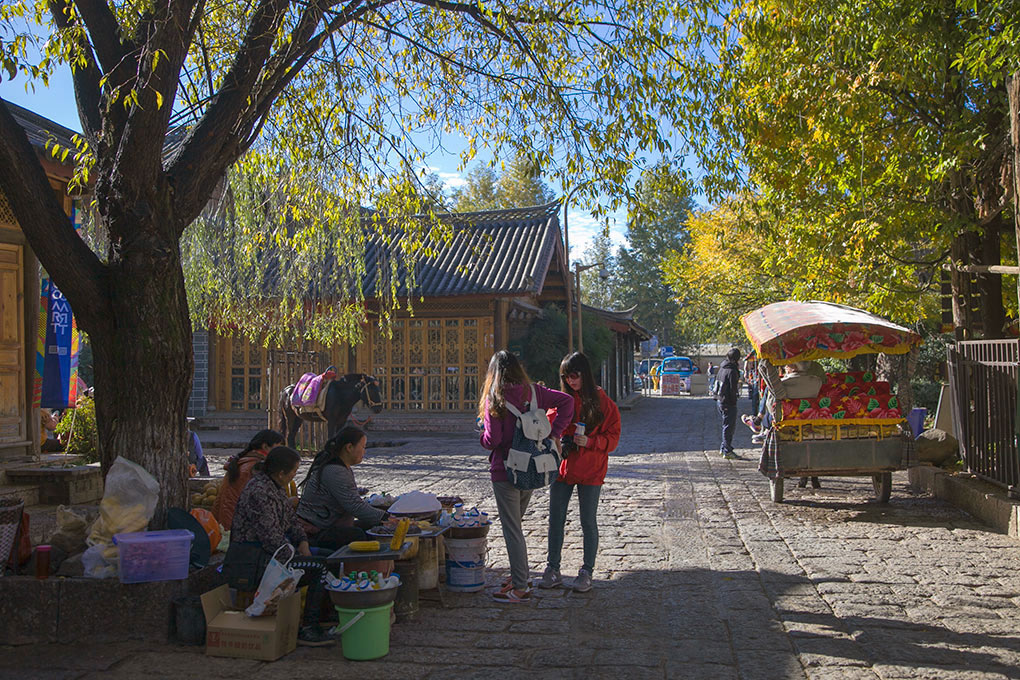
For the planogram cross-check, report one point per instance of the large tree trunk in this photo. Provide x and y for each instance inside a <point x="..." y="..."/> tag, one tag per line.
<point x="1013" y="94"/>
<point x="993" y="313"/>
<point x="961" y="253"/>
<point x="143" y="367"/>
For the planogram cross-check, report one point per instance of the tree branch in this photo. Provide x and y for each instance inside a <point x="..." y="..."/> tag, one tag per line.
<point x="104" y="30"/>
<point x="214" y="143"/>
<point x="86" y="79"/>
<point x="68" y="259"/>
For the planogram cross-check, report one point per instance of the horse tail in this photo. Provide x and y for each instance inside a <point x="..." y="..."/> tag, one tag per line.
<point x="282" y="405"/>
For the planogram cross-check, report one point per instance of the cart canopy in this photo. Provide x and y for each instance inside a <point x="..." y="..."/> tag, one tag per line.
<point x="785" y="332"/>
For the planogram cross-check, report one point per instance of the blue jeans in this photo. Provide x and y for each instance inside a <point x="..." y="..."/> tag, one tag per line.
<point x="588" y="499"/>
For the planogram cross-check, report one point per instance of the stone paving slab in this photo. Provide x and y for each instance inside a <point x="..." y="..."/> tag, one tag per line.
<point x="699" y="576"/>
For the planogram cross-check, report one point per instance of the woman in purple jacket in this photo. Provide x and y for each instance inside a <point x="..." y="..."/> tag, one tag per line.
<point x="506" y="382"/>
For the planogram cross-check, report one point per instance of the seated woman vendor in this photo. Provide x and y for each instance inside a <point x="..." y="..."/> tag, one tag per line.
<point x="265" y="520"/>
<point x="331" y="509"/>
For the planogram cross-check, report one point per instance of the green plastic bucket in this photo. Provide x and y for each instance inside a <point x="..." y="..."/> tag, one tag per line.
<point x="368" y="634"/>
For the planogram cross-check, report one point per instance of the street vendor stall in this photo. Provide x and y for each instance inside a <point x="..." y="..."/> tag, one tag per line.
<point x="854" y="426"/>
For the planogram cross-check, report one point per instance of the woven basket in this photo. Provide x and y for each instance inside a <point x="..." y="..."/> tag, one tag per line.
<point x="10" y="520"/>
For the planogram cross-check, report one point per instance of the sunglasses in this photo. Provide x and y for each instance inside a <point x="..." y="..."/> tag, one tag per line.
<point x="571" y="376"/>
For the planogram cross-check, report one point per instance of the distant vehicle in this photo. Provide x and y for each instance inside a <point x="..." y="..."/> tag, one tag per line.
<point x="681" y="366"/>
<point x="666" y="351"/>
<point x="675" y="375"/>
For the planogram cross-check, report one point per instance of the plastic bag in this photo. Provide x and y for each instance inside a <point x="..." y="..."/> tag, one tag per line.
<point x="94" y="565"/>
<point x="128" y="504"/>
<point x="278" y="581"/>
<point x="129" y="501"/>
<point x="72" y="527"/>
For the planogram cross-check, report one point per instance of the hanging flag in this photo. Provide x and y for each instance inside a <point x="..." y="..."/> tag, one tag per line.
<point x="56" y="363"/>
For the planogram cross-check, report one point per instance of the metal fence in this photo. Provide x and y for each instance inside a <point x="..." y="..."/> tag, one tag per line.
<point x="983" y="374"/>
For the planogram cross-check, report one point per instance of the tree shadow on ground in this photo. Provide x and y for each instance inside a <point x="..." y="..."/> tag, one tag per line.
<point x="703" y="623"/>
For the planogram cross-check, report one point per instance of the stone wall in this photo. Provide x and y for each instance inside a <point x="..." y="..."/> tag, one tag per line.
<point x="70" y="610"/>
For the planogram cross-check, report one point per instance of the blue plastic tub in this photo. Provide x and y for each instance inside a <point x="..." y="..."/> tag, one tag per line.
<point x="147" y="556"/>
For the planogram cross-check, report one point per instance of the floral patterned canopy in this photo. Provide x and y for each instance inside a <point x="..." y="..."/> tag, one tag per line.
<point x="784" y="332"/>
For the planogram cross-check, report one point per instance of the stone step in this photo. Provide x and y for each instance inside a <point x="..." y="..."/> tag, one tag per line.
<point x="26" y="492"/>
<point x="387" y="421"/>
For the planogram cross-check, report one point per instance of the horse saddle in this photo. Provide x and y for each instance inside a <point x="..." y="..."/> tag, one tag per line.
<point x="309" y="396"/>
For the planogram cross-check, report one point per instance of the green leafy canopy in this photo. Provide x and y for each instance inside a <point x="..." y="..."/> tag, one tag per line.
<point x="342" y="105"/>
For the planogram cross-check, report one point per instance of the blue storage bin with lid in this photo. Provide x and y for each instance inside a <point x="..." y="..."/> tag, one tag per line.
<point x="147" y="556"/>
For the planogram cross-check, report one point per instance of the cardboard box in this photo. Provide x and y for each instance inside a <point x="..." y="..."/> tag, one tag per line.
<point x="233" y="633"/>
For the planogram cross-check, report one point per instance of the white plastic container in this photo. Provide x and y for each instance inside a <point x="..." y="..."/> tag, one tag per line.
<point x="465" y="564"/>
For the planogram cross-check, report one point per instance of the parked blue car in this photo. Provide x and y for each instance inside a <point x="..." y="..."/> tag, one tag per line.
<point x="681" y="366"/>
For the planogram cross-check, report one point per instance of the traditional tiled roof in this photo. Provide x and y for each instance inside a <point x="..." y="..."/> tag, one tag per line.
<point x="493" y="252"/>
<point x="620" y="320"/>
<point x="40" y="129"/>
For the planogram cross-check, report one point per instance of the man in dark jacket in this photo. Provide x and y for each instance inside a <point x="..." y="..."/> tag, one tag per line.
<point x="728" y="389"/>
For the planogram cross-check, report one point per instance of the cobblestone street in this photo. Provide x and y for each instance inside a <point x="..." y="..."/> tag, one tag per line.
<point x="699" y="576"/>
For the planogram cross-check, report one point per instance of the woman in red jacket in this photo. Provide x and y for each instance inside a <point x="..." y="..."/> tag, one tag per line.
<point x="583" y="467"/>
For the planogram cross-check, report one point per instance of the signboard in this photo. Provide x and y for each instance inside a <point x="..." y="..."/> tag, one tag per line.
<point x="671" y="384"/>
<point x="56" y="382"/>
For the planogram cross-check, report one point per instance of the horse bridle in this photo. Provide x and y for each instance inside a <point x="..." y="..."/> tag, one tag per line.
<point x="365" y="396"/>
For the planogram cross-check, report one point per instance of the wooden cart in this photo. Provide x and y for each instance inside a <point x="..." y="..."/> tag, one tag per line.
<point x="838" y="443"/>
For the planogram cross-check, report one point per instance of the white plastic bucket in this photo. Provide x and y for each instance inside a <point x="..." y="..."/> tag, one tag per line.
<point x="465" y="564"/>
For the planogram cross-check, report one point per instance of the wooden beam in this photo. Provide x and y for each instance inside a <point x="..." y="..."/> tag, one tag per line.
<point x="985" y="269"/>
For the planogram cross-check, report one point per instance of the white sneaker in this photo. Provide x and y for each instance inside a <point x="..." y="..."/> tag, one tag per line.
<point x="749" y="421"/>
<point x="758" y="438"/>
<point x="550" y="579"/>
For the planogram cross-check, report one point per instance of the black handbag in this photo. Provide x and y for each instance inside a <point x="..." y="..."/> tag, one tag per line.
<point x="243" y="565"/>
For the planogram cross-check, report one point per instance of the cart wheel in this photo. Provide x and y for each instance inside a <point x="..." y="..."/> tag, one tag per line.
<point x="776" y="488"/>
<point x="883" y="486"/>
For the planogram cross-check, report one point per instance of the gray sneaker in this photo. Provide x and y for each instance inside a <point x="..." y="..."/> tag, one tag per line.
<point x="551" y="578"/>
<point x="582" y="584"/>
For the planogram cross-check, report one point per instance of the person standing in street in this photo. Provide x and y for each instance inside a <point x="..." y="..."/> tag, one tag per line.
<point x="586" y="446"/>
<point x="727" y="391"/>
<point x="751" y="377"/>
<point x="506" y="382"/>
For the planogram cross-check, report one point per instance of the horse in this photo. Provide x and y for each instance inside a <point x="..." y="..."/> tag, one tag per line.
<point x="343" y="393"/>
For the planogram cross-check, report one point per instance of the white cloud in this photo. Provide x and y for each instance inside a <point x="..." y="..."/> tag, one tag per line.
<point x="584" y="228"/>
<point x="452" y="180"/>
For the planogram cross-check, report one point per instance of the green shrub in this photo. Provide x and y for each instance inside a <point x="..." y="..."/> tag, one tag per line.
<point x="80" y="425"/>
<point x="545" y="345"/>
<point x="926" y="393"/>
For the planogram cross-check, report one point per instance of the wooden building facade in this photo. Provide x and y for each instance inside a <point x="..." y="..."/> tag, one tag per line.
<point x="19" y="295"/>
<point x="481" y="292"/>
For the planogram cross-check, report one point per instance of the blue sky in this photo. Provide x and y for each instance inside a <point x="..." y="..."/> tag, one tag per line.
<point x="56" y="102"/>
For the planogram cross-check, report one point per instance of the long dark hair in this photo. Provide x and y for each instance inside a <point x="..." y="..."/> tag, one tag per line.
<point x="281" y="458"/>
<point x="591" y="411"/>
<point x="504" y="369"/>
<point x="330" y="454"/>
<point x="263" y="438"/>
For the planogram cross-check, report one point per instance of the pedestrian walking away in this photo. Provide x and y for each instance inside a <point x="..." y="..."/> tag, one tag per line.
<point x="751" y="377"/>
<point x="506" y="382"/>
<point x="727" y="391"/>
<point x="586" y="446"/>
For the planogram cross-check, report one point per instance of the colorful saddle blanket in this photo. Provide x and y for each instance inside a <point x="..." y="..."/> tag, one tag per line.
<point x="311" y="389"/>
